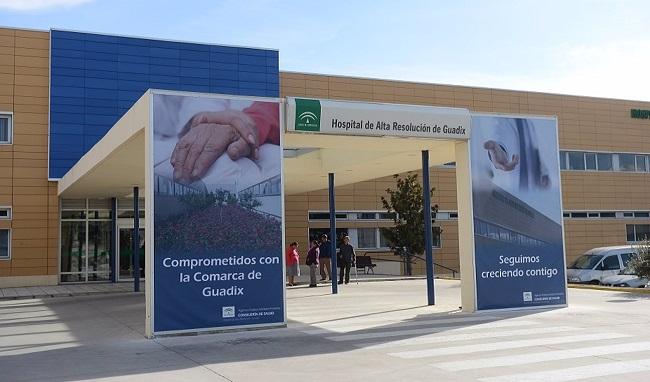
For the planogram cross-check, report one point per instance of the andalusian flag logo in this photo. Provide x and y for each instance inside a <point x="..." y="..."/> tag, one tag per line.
<point x="307" y="114"/>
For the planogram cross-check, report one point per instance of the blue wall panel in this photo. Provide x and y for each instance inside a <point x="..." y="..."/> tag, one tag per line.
<point x="96" y="78"/>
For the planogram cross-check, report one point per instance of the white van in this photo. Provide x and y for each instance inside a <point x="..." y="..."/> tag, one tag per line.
<point x="596" y="264"/>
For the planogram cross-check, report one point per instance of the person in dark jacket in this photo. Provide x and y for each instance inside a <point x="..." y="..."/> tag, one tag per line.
<point x="312" y="261"/>
<point x="325" y="258"/>
<point x="347" y="257"/>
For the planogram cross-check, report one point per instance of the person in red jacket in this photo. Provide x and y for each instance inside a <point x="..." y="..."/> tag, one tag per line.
<point x="209" y="135"/>
<point x="293" y="263"/>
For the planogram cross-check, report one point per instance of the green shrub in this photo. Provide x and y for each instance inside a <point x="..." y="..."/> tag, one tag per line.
<point x="640" y="264"/>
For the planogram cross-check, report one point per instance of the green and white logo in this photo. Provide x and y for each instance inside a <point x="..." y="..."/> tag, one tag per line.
<point x="307" y="114"/>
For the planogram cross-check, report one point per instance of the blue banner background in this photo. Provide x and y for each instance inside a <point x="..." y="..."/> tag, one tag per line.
<point x="182" y="306"/>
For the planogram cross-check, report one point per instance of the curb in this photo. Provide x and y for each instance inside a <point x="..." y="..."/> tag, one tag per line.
<point x="610" y="289"/>
<point x="63" y="295"/>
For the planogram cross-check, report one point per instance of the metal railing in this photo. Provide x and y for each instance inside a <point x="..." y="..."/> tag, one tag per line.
<point x="453" y="271"/>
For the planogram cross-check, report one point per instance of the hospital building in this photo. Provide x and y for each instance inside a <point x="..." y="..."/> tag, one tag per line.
<point x="62" y="91"/>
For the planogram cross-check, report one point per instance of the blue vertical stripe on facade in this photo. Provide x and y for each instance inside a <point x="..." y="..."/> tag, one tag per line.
<point x="96" y="78"/>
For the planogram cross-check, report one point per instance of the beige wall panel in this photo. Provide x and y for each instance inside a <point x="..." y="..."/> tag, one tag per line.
<point x="42" y="100"/>
<point x="31" y="80"/>
<point x="28" y="271"/>
<point x="32" y="62"/>
<point x="30" y="91"/>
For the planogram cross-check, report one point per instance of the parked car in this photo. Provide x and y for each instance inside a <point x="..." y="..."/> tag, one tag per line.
<point x="625" y="278"/>
<point x="598" y="263"/>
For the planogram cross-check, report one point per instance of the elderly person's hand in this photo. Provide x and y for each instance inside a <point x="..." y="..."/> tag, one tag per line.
<point x="244" y="125"/>
<point x="199" y="148"/>
<point x="499" y="157"/>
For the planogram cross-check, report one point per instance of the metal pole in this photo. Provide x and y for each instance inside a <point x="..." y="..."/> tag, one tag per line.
<point x="113" y="253"/>
<point x="335" y="287"/>
<point x="428" y="232"/>
<point x="136" y="240"/>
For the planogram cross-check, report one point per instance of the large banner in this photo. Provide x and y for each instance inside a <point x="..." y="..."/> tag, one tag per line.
<point x="518" y="236"/>
<point x="217" y="229"/>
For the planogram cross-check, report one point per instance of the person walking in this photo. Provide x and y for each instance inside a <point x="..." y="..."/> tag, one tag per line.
<point x="325" y="258"/>
<point x="312" y="260"/>
<point x="347" y="256"/>
<point x="293" y="263"/>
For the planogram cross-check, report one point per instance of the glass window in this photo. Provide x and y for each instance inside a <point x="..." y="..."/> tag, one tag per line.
<point x="637" y="232"/>
<point x="576" y="160"/>
<point x="566" y="214"/>
<point x="607" y="214"/>
<point x="626" y="257"/>
<point x="129" y="214"/>
<point x="5" y="244"/>
<point x="383" y="241"/>
<point x="626" y="162"/>
<point x="640" y="163"/>
<point x="367" y="216"/>
<point x="5" y="128"/>
<point x="73" y="214"/>
<point x="5" y="213"/>
<point x="99" y="245"/>
<point x="563" y="160"/>
<point x="493" y="232"/>
<point x="585" y="262"/>
<point x="642" y="231"/>
<point x="99" y="204"/>
<point x="453" y="215"/>
<point x="367" y="237"/>
<point x="387" y="215"/>
<point x="319" y="216"/>
<point x="480" y="228"/>
<point x="593" y="214"/>
<point x="99" y="214"/>
<point x="437" y="237"/>
<point x="604" y="162"/>
<point x="315" y="233"/>
<point x="642" y="214"/>
<point x="628" y="214"/>
<point x="73" y="247"/>
<point x="578" y="215"/>
<point x="590" y="161"/>
<point x="611" y="263"/>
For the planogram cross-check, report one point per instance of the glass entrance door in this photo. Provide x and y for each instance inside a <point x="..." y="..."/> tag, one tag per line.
<point x="125" y="253"/>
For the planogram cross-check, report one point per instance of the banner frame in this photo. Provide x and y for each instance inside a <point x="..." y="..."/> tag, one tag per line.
<point x="150" y="331"/>
<point x="557" y="142"/>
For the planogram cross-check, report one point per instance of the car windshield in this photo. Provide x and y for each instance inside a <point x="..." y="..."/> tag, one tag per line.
<point x="586" y="262"/>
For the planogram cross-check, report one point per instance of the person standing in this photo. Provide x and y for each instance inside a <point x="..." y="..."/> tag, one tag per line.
<point x="293" y="263"/>
<point x="312" y="261"/>
<point x="325" y="258"/>
<point x="347" y="256"/>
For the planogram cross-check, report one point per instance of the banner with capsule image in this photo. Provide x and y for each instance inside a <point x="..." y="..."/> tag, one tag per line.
<point x="518" y="232"/>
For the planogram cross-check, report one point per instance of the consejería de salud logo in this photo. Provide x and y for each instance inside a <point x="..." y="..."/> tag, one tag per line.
<point x="228" y="311"/>
<point x="307" y="114"/>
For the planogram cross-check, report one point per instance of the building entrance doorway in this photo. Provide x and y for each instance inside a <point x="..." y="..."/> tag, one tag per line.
<point x="125" y="251"/>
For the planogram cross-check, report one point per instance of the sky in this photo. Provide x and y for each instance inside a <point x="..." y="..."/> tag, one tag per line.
<point x="595" y="48"/>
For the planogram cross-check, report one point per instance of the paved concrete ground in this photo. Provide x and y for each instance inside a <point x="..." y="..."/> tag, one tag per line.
<point x="66" y="290"/>
<point x="375" y="331"/>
